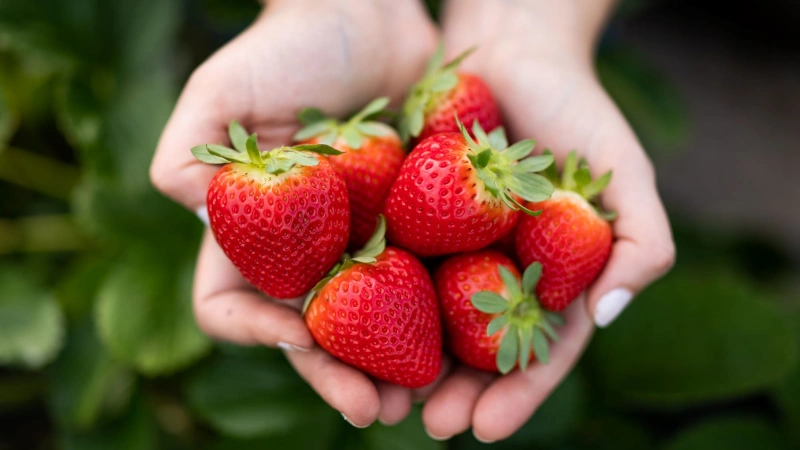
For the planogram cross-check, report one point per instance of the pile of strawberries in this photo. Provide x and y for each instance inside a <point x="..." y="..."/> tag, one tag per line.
<point x="508" y="239"/>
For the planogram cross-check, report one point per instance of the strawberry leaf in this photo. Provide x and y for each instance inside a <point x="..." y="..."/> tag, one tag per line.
<point x="593" y="188"/>
<point x="228" y="154"/>
<point x="510" y="281"/>
<point x="489" y="302"/>
<point x="524" y="347"/>
<point x="534" y="164"/>
<point x="507" y="353"/>
<point x="582" y="177"/>
<point x="308" y="116"/>
<point x="480" y="134"/>
<point x="530" y="186"/>
<point x="458" y="59"/>
<point x="497" y="139"/>
<point x="549" y="331"/>
<point x="201" y="153"/>
<point x="416" y="122"/>
<point x="444" y="82"/>
<point x="551" y="172"/>
<point x="496" y="324"/>
<point x="352" y="137"/>
<point x="301" y="158"/>
<point x="483" y="158"/>
<point x="531" y="277"/>
<point x="373" y="129"/>
<point x="373" y="107"/>
<point x="329" y="138"/>
<point x="568" y="174"/>
<point x="238" y="136"/>
<point x="554" y="318"/>
<point x="364" y="259"/>
<point x="321" y="149"/>
<point x="252" y="150"/>
<point x="520" y="150"/>
<point x="312" y="130"/>
<point x="540" y="346"/>
<point x="518" y="206"/>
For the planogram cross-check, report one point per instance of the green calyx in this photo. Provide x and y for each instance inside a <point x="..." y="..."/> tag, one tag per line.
<point x="245" y="150"/>
<point x="367" y="255"/>
<point x="508" y="171"/>
<point x="439" y="78"/>
<point x="577" y="177"/>
<point x="527" y="325"/>
<point x="353" y="131"/>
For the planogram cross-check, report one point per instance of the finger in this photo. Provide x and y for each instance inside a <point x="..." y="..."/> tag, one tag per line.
<point x="228" y="308"/>
<point x="644" y="249"/>
<point x="509" y="402"/>
<point x="395" y="403"/>
<point x="345" y="388"/>
<point x="448" y="410"/>
<point x="421" y="394"/>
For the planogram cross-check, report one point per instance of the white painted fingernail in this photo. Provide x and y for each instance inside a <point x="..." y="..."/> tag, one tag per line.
<point x="350" y="422"/>
<point x="435" y="437"/>
<point x="202" y="214"/>
<point x="291" y="347"/>
<point x="480" y="439"/>
<point x="611" y="305"/>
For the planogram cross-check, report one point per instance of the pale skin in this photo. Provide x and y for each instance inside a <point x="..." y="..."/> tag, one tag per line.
<point x="536" y="55"/>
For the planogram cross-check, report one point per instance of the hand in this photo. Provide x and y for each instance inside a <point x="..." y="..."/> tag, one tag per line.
<point x="336" y="55"/>
<point x="536" y="55"/>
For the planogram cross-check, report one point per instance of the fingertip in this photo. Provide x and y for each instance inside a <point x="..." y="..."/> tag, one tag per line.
<point x="395" y="403"/>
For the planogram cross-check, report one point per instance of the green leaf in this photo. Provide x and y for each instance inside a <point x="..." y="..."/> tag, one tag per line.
<point x="436" y="60"/>
<point x="489" y="302"/>
<point x="480" y="134"/>
<point x="497" y="139"/>
<point x="510" y="281"/>
<point x="554" y="318"/>
<point x="304" y="159"/>
<point x="540" y="346"/>
<point x="551" y="172"/>
<point x="407" y="435"/>
<point x="582" y="178"/>
<point x="416" y="121"/>
<point x="508" y="351"/>
<point x="352" y="137"/>
<point x="444" y="82"/>
<point x="253" y="152"/>
<point x="244" y="396"/>
<point x="524" y="347"/>
<point x="329" y="138"/>
<point x="483" y="158"/>
<point x="322" y="149"/>
<point x="377" y="129"/>
<point x="595" y="187"/>
<point x="549" y="331"/>
<point x="228" y="154"/>
<point x="530" y="186"/>
<point x="201" y="152"/>
<point x="372" y="108"/>
<point x="136" y="430"/>
<point x="455" y="62"/>
<point x="729" y="433"/>
<point x="534" y="164"/>
<point x="86" y="383"/>
<point x="496" y="324"/>
<point x="710" y="327"/>
<point x="31" y="322"/>
<point x="364" y="259"/>
<point x="531" y="276"/>
<point x="238" y="136"/>
<point x="376" y="243"/>
<point x="568" y="173"/>
<point x="144" y="313"/>
<point x="520" y="150"/>
<point x="313" y="130"/>
<point x="308" y="116"/>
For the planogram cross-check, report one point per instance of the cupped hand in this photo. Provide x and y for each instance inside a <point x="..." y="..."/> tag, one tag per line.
<point x="336" y="55"/>
<point x="539" y="66"/>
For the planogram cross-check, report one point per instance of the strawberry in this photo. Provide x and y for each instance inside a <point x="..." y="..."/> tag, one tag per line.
<point x="454" y="194"/>
<point x="492" y="322"/>
<point x="377" y="311"/>
<point x="372" y="157"/>
<point x="571" y="238"/>
<point x="281" y="217"/>
<point x="444" y="93"/>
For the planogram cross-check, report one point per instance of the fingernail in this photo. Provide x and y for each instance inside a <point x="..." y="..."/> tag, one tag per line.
<point x="435" y="437"/>
<point x="350" y="422"/>
<point x="480" y="439"/>
<point x="202" y="214"/>
<point x="291" y="347"/>
<point x="611" y="305"/>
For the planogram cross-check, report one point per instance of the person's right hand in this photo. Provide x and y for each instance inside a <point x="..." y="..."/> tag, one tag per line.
<point x="336" y="55"/>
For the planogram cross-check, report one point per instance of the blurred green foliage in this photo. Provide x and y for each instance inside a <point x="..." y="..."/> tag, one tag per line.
<point x="98" y="347"/>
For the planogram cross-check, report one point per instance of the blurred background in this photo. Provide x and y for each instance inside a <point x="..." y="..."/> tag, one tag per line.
<point x="98" y="347"/>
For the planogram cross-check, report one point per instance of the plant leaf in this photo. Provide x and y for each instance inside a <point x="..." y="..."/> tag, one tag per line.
<point x="444" y="82"/>
<point x="530" y="186"/>
<point x="308" y="116"/>
<point x="520" y="150"/>
<point x="540" y="346"/>
<point x="201" y="152"/>
<point x="531" y="276"/>
<point x="352" y="137"/>
<point x="497" y="139"/>
<point x="374" y="129"/>
<point x="302" y="158"/>
<point x="252" y="150"/>
<point x="568" y="174"/>
<point x="549" y="331"/>
<point x="510" y="281"/>
<point x="322" y="149"/>
<point x="416" y="122"/>
<point x="480" y="134"/>
<point x="228" y="154"/>
<point x="554" y="318"/>
<point x="238" y="136"/>
<point x="551" y="172"/>
<point x="524" y="347"/>
<point x="534" y="164"/>
<point x="372" y="108"/>
<point x="483" y="158"/>
<point x="594" y="188"/>
<point x="313" y="130"/>
<point x="496" y="324"/>
<point x="377" y="242"/>
<point x="489" y="302"/>
<point x="508" y="351"/>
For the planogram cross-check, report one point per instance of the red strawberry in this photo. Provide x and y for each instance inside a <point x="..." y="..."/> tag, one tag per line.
<point x="491" y="322"/>
<point x="377" y="311"/>
<point x="443" y="94"/>
<point x="372" y="157"/>
<point x="571" y="238"/>
<point x="455" y="195"/>
<point x="281" y="217"/>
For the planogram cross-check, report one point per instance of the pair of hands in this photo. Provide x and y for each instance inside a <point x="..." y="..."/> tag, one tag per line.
<point x="337" y="55"/>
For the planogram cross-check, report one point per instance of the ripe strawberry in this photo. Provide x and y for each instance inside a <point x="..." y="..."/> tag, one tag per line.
<point x="455" y="195"/>
<point x="377" y="311"/>
<point x="491" y="322"/>
<point x="281" y="217"/>
<point x="443" y="94"/>
<point x="372" y="157"/>
<point x="571" y="238"/>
